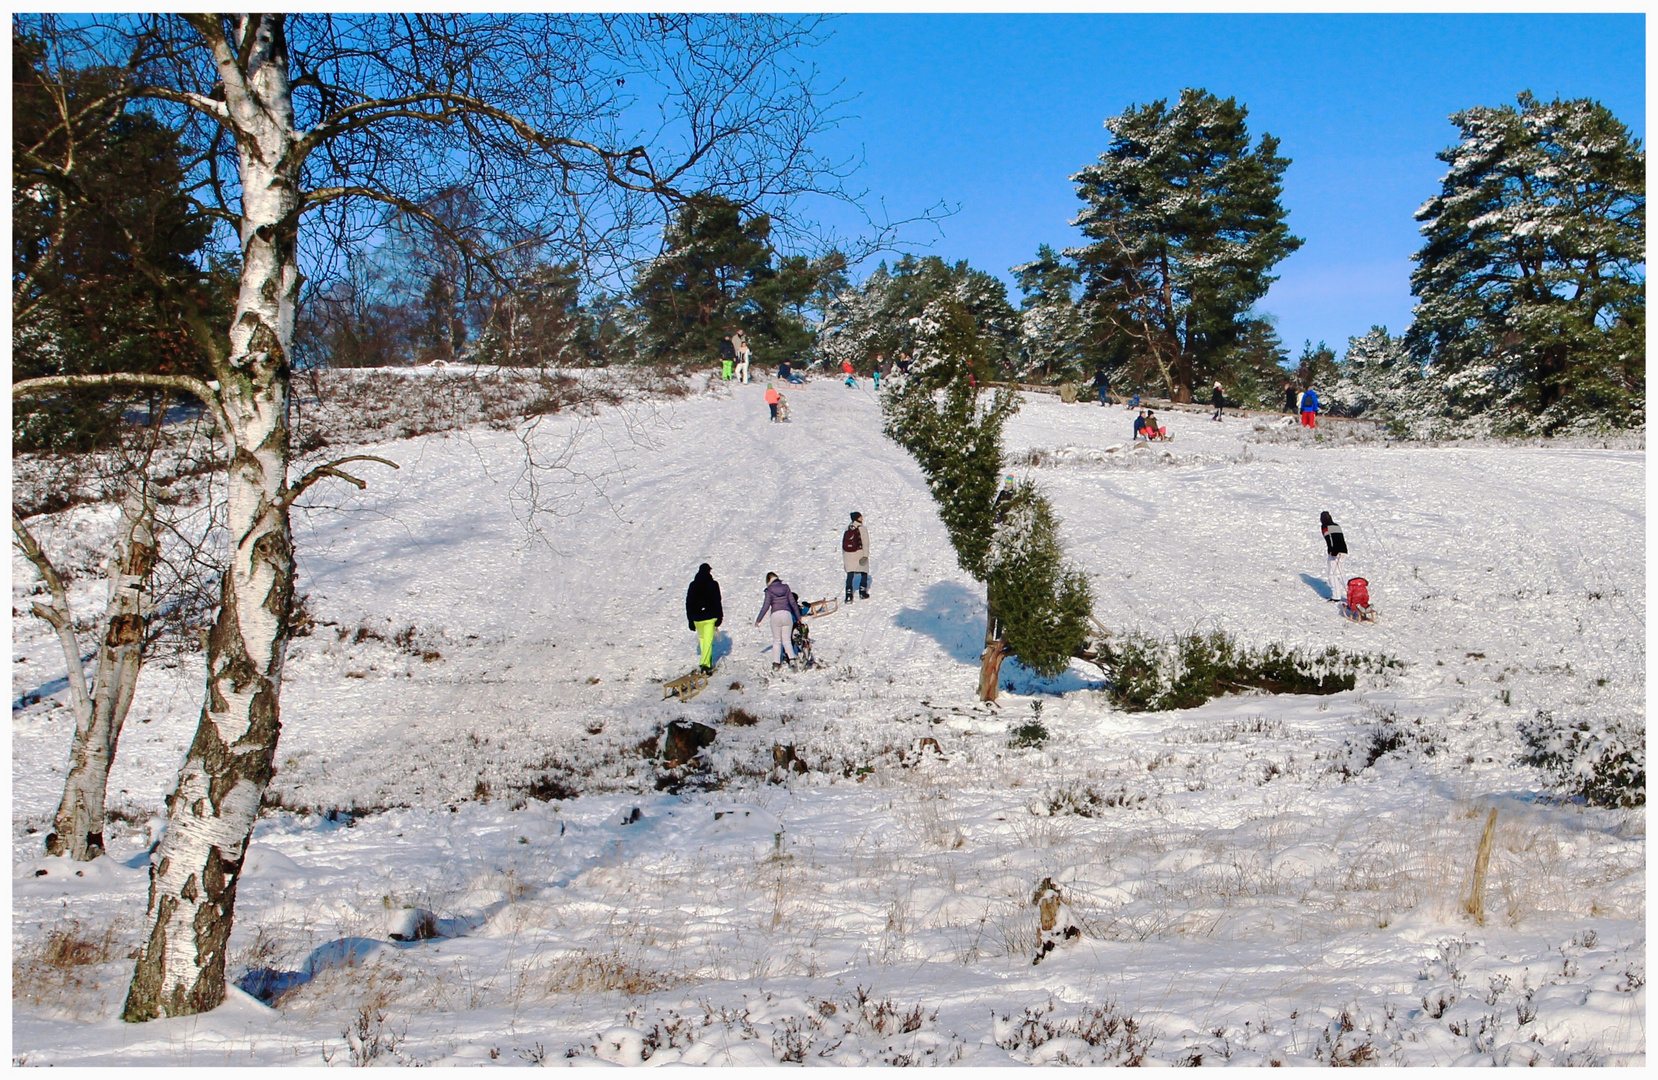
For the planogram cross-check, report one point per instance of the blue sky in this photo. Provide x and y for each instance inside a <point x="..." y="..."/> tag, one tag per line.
<point x="994" y="113"/>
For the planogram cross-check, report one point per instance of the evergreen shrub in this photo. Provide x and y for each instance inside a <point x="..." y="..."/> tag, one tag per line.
<point x="1603" y="764"/>
<point x="1031" y="733"/>
<point x="1150" y="674"/>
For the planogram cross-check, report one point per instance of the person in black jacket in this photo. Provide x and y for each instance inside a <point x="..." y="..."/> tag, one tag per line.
<point x="1218" y="400"/>
<point x="703" y="612"/>
<point x="1335" y="548"/>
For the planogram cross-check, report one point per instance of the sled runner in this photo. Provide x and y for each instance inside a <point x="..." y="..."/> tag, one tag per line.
<point x="819" y="607"/>
<point x="685" y="687"/>
<point x="1357" y="605"/>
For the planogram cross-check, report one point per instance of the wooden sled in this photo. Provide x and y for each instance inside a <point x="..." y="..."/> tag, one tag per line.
<point x="685" y="687"/>
<point x="1357" y="614"/>
<point x="816" y="608"/>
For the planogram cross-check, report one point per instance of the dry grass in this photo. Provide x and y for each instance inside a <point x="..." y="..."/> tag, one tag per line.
<point x="587" y="972"/>
<point x="65" y="968"/>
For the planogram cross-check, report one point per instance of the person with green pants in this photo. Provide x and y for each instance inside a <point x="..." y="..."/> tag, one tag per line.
<point x="703" y="612"/>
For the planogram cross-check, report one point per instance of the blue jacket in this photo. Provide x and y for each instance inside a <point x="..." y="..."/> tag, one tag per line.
<point x="1310" y="402"/>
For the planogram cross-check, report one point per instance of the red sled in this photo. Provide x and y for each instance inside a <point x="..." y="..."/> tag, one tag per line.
<point x="1357" y="605"/>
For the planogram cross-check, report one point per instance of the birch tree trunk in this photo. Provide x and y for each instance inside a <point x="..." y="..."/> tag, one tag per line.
<point x="78" y="829"/>
<point x="193" y="873"/>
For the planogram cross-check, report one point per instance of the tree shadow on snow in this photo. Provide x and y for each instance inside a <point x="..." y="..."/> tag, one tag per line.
<point x="1019" y="679"/>
<point x="952" y="615"/>
<point x="270" y="984"/>
<point x="1317" y="585"/>
<point x="47" y="689"/>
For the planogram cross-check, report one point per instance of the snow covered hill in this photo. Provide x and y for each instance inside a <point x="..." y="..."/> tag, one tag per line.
<point x="467" y="734"/>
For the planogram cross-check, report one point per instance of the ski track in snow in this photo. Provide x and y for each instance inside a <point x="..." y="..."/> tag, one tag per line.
<point x="1246" y="886"/>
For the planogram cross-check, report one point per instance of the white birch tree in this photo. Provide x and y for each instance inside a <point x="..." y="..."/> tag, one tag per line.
<point x="101" y="708"/>
<point x="319" y="115"/>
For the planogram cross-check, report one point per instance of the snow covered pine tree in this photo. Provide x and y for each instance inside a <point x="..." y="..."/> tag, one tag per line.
<point x="1185" y="221"/>
<point x="1532" y="278"/>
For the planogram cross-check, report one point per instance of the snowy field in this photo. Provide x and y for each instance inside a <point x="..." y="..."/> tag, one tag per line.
<point x="1259" y="880"/>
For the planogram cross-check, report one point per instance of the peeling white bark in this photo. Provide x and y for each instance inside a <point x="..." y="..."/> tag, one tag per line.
<point x="78" y="828"/>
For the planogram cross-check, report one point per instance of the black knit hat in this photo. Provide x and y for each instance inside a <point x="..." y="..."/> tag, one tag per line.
<point x="857" y="516"/>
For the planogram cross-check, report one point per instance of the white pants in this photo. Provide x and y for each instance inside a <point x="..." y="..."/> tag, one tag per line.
<point x="782" y="630"/>
<point x="741" y="370"/>
<point x="1338" y="579"/>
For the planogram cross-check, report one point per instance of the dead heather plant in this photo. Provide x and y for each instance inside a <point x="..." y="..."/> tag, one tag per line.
<point x="369" y="1040"/>
<point x="883" y="1018"/>
<point x="64" y="968"/>
<point x="1113" y="1037"/>
<point x="737" y="716"/>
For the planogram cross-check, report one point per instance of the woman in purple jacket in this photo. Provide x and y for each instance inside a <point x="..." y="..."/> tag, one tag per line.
<point x="779" y="602"/>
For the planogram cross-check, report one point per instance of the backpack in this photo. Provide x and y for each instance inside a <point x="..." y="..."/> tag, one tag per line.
<point x="850" y="540"/>
<point x="1358" y="593"/>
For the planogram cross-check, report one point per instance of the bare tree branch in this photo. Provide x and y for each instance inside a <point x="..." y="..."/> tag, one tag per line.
<point x="331" y="468"/>
<point x="57" y="614"/>
<point x="196" y="388"/>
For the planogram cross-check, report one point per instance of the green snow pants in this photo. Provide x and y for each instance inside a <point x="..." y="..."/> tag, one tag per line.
<point x="725" y="369"/>
<point x="705" y="638"/>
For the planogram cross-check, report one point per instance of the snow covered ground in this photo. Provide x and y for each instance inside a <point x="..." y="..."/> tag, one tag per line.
<point x="1263" y="879"/>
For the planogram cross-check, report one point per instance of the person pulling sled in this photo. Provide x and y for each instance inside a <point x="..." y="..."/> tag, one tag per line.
<point x="1335" y="551"/>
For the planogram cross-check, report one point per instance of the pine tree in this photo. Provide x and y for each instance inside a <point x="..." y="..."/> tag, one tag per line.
<point x="1380" y="379"/>
<point x="541" y="322"/>
<point x="1253" y="371"/>
<point x="1043" y="603"/>
<point x="1531" y="279"/>
<point x="695" y="291"/>
<point x="1052" y="329"/>
<point x="884" y="316"/>
<point x="1316" y="366"/>
<point x="1186" y="222"/>
<point x="1038" y="605"/>
<point x="92" y="202"/>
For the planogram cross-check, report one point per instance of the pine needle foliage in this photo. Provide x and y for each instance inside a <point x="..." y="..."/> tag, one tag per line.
<point x="1009" y="538"/>
<point x="1532" y="276"/>
<point x="1153" y="675"/>
<point x="1041" y="600"/>
<point x="953" y="427"/>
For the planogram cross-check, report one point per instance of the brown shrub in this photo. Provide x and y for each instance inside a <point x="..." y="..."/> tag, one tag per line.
<point x="737" y="716"/>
